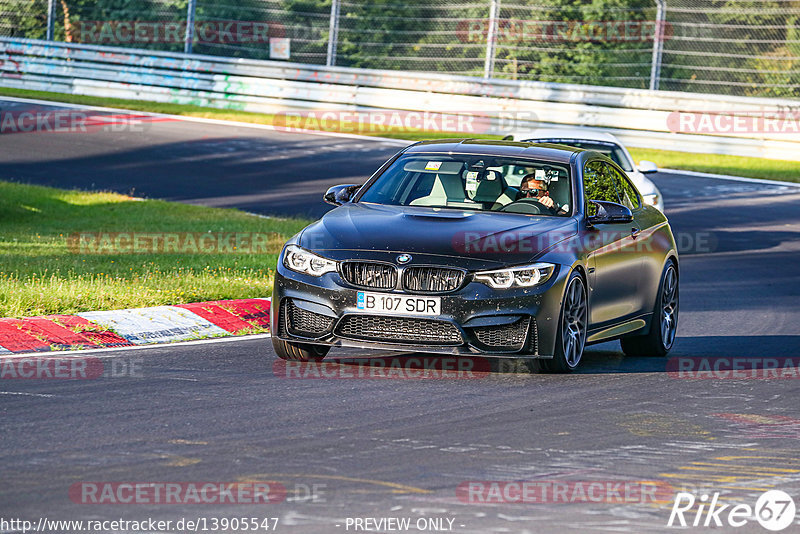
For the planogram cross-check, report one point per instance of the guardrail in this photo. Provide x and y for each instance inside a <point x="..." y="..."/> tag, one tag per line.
<point x="640" y="118"/>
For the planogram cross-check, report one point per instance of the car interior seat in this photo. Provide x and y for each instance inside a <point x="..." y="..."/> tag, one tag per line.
<point x="491" y="191"/>
<point x="559" y="190"/>
<point x="558" y="186"/>
<point x="448" y="188"/>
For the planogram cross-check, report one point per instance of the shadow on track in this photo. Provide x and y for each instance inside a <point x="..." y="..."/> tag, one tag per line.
<point x="606" y="358"/>
<point x="286" y="175"/>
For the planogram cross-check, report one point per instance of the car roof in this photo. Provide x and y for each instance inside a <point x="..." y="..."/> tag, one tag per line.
<point x="488" y="147"/>
<point x="566" y="133"/>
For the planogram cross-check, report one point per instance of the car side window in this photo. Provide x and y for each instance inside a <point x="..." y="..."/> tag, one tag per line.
<point x="598" y="183"/>
<point x="629" y="197"/>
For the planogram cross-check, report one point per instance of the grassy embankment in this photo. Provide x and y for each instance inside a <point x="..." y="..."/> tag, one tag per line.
<point x="45" y="269"/>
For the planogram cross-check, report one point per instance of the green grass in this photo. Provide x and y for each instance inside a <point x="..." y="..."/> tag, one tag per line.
<point x="42" y="271"/>
<point x="771" y="169"/>
<point x="735" y="165"/>
<point x="141" y="105"/>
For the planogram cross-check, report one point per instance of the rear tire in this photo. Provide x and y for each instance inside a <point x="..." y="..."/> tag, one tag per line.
<point x="664" y="324"/>
<point x="299" y="352"/>
<point x="573" y="323"/>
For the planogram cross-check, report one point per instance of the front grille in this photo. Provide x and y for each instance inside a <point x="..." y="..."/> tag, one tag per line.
<point x="432" y="279"/>
<point x="399" y="330"/>
<point x="372" y="275"/>
<point x="503" y="337"/>
<point x="303" y="323"/>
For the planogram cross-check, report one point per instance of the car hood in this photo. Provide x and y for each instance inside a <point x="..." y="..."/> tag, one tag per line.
<point x="469" y="239"/>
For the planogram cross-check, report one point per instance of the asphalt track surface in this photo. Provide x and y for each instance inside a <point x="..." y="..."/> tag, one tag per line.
<point x="257" y="170"/>
<point x="379" y="448"/>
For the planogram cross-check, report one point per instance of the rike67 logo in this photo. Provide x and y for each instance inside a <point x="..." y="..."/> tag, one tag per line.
<point x="774" y="510"/>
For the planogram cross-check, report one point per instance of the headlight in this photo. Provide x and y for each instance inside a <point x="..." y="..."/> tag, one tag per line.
<point x="523" y="276"/>
<point x="651" y="199"/>
<point x="302" y="261"/>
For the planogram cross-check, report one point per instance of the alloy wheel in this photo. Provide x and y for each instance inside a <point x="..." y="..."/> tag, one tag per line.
<point x="573" y="328"/>
<point x="669" y="307"/>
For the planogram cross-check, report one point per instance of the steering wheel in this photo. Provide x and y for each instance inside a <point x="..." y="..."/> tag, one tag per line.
<point x="528" y="206"/>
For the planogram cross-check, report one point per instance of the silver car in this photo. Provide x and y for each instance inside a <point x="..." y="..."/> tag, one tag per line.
<point x="606" y="144"/>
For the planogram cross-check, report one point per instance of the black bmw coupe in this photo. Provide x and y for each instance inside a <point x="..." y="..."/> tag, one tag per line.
<point x="474" y="247"/>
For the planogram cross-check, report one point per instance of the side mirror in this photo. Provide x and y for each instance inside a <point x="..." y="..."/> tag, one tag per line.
<point x="647" y="167"/>
<point x="609" y="213"/>
<point x="339" y="194"/>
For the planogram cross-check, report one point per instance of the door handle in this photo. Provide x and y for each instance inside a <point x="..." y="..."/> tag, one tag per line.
<point x="635" y="232"/>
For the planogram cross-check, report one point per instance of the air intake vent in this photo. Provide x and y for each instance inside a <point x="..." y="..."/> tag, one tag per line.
<point x="303" y="323"/>
<point x="399" y="330"/>
<point x="370" y="275"/>
<point x="432" y="279"/>
<point x="507" y="337"/>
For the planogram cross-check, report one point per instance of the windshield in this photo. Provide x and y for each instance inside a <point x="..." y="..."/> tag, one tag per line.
<point x="480" y="183"/>
<point x="607" y="148"/>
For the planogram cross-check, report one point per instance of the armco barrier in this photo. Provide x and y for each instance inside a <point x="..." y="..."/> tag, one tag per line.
<point x="640" y="118"/>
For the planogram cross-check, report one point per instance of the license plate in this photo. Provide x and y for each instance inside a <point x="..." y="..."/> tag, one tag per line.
<point x="398" y="304"/>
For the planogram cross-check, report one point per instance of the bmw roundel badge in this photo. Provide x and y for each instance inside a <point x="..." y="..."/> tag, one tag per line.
<point x="403" y="258"/>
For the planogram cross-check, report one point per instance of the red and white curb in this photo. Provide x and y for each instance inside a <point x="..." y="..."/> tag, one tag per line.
<point x="140" y="326"/>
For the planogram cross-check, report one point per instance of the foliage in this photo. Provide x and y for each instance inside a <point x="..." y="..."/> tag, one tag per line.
<point x="746" y="47"/>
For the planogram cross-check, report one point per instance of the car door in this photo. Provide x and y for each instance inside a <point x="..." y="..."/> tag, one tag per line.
<point x="613" y="258"/>
<point x="644" y="239"/>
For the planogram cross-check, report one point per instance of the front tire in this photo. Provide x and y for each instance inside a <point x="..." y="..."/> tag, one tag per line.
<point x="573" y="323"/>
<point x="299" y="352"/>
<point x="664" y="324"/>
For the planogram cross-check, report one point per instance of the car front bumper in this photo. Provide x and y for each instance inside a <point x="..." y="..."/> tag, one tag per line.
<point x="517" y="322"/>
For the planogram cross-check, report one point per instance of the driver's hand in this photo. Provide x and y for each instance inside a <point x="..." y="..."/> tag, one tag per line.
<point x="547" y="202"/>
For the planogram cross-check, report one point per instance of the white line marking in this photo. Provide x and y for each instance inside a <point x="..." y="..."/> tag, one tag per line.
<point x="54" y="103"/>
<point x="26" y="394"/>
<point x="399" y="142"/>
<point x="59" y="353"/>
<point x="186" y="379"/>
<point x="731" y="178"/>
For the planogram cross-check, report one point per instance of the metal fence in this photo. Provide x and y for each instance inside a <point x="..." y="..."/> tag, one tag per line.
<point x="736" y="47"/>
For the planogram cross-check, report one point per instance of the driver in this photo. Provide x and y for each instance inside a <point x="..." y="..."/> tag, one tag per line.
<point x="536" y="189"/>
